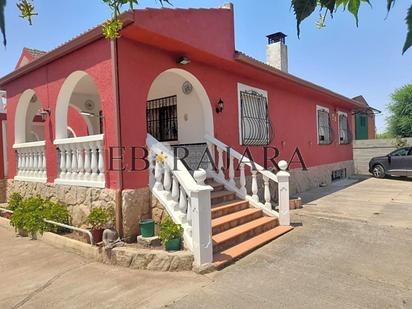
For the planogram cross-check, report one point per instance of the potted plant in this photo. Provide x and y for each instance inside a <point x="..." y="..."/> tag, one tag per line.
<point x="98" y="219"/>
<point x="171" y="234"/>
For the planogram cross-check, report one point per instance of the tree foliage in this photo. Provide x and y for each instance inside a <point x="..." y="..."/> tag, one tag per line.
<point x="400" y="121"/>
<point x="302" y="9"/>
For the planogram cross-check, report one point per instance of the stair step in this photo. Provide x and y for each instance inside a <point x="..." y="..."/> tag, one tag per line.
<point x="226" y="208"/>
<point x="222" y="196"/>
<point x="234" y="236"/>
<point x="216" y="186"/>
<point x="235" y="219"/>
<point x="223" y="258"/>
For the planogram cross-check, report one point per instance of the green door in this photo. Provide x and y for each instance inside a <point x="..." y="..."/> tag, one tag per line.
<point x="361" y="126"/>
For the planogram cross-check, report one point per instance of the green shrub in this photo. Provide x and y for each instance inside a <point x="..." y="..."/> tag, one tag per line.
<point x="29" y="216"/>
<point x="170" y="230"/>
<point x="55" y="212"/>
<point x="99" y="217"/>
<point x="15" y="200"/>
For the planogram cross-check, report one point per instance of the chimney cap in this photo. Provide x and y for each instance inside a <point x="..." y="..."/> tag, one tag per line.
<point x="276" y="37"/>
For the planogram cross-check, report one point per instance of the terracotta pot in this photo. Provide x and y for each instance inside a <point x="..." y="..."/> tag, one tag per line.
<point x="97" y="235"/>
<point x="6" y="215"/>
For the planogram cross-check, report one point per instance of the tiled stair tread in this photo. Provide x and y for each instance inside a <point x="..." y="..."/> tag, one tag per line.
<point x="215" y="184"/>
<point x="234" y="232"/>
<point x="222" y="258"/>
<point x="217" y="194"/>
<point x="234" y="216"/>
<point x="228" y="204"/>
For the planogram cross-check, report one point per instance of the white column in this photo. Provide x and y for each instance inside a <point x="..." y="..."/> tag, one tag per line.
<point x="254" y="187"/>
<point x="232" y="172"/>
<point x="158" y="176"/>
<point x="87" y="163"/>
<point x="80" y="162"/>
<point x="167" y="181"/>
<point x="182" y="201"/>
<point x="101" y="162"/>
<point x="283" y="187"/>
<point x="68" y="162"/>
<point x="220" y="163"/>
<point x="62" y="162"/>
<point x="43" y="164"/>
<point x="93" y="161"/>
<point x="175" y="192"/>
<point x="268" y="204"/>
<point x="242" y="179"/>
<point x="75" y="155"/>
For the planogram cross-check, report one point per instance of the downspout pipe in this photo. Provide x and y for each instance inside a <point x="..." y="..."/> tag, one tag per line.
<point x="116" y="89"/>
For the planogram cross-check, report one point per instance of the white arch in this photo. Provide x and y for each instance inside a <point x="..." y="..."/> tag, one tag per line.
<point x="20" y="116"/>
<point x="201" y="93"/>
<point x="64" y="97"/>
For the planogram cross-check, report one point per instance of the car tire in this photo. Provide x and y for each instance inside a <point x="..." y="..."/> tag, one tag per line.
<point x="378" y="171"/>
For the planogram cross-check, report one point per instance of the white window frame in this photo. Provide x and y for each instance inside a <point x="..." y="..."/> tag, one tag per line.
<point x="347" y="129"/>
<point x="241" y="88"/>
<point x="325" y="109"/>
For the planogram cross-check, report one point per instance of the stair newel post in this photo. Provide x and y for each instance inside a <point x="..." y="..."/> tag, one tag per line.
<point x="255" y="190"/>
<point x="283" y="187"/>
<point x="242" y="179"/>
<point x="268" y="204"/>
<point x="201" y="217"/>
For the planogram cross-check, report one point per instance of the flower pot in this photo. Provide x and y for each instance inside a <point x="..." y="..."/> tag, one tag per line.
<point x="172" y="245"/>
<point x="97" y="235"/>
<point x="147" y="227"/>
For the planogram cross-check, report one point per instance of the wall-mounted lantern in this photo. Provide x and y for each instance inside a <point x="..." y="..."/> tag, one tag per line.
<point x="183" y="60"/>
<point x="220" y="105"/>
<point x="44" y="113"/>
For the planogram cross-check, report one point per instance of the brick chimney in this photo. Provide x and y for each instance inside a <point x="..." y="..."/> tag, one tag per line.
<point x="277" y="51"/>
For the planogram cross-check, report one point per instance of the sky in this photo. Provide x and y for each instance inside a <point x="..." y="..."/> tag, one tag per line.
<point x="352" y="61"/>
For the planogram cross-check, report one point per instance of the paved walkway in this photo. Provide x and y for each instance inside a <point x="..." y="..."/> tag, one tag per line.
<point x="350" y="249"/>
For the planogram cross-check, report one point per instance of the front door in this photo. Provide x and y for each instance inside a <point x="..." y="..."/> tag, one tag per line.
<point x="361" y="126"/>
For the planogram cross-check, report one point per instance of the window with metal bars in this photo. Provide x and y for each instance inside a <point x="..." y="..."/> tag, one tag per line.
<point x="161" y="115"/>
<point x="344" y="132"/>
<point x="325" y="133"/>
<point x="256" y="128"/>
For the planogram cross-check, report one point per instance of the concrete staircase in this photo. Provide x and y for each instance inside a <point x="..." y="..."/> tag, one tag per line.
<point x="238" y="228"/>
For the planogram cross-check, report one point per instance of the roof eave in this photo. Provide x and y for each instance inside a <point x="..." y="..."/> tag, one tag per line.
<point x="77" y="43"/>
<point x="251" y="61"/>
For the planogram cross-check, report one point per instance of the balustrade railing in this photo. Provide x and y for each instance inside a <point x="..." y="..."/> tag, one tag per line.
<point x="31" y="161"/>
<point x="259" y="193"/>
<point x="185" y="197"/>
<point x="81" y="161"/>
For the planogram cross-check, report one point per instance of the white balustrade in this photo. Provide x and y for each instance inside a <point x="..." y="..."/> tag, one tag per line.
<point x="81" y="161"/>
<point x="185" y="198"/>
<point x="281" y="179"/>
<point x="31" y="161"/>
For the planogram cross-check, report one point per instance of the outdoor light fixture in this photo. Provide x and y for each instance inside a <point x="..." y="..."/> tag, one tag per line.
<point x="44" y="112"/>
<point x="183" y="60"/>
<point x="220" y="106"/>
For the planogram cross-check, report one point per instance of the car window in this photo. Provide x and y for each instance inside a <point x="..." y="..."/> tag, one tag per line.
<point x="400" y="152"/>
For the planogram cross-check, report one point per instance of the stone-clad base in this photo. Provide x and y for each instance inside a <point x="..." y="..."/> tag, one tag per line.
<point x="301" y="181"/>
<point x="79" y="200"/>
<point x="3" y="190"/>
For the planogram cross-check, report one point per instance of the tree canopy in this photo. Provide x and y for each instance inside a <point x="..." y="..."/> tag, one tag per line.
<point x="302" y="9"/>
<point x="400" y="120"/>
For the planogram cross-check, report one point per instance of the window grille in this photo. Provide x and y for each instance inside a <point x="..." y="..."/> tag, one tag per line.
<point x="256" y="127"/>
<point x="345" y="136"/>
<point x="325" y="133"/>
<point x="161" y="115"/>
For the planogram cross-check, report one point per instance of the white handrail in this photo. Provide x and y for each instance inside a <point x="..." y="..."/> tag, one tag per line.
<point x="81" y="139"/>
<point x="239" y="156"/>
<point x="30" y="144"/>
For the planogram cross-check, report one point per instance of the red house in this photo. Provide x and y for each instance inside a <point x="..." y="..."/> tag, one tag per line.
<point x="79" y="114"/>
